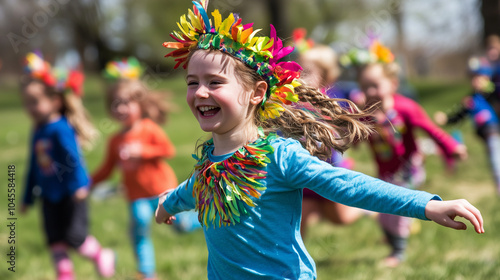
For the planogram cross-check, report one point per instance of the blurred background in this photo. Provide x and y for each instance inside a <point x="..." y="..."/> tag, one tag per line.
<point x="432" y="40"/>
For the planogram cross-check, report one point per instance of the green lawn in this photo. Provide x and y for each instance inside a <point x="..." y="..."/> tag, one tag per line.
<point x="350" y="252"/>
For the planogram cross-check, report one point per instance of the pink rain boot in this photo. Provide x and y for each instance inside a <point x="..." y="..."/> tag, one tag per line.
<point x="103" y="258"/>
<point x="62" y="262"/>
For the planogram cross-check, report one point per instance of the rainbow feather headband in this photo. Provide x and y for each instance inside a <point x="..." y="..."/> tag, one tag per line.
<point x="376" y="53"/>
<point x="261" y="53"/>
<point x="58" y="78"/>
<point x="126" y="68"/>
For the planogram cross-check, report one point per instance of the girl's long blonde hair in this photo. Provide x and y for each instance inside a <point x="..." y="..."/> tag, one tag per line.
<point x="152" y="103"/>
<point x="318" y="122"/>
<point x="74" y="111"/>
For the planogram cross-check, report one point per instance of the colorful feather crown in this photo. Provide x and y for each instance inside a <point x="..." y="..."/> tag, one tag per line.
<point x="261" y="53"/>
<point x="58" y="78"/>
<point x="375" y="53"/>
<point x="126" y="68"/>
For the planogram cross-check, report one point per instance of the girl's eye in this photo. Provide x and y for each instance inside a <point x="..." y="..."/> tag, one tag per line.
<point x="192" y="83"/>
<point x="216" y="82"/>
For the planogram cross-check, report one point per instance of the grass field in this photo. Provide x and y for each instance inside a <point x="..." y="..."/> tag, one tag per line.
<point x="351" y="252"/>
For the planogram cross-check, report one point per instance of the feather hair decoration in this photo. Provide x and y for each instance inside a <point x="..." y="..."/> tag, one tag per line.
<point x="59" y="78"/>
<point x="126" y="68"/>
<point x="230" y="35"/>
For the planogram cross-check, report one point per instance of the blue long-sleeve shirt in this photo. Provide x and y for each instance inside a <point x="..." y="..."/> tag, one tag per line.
<point x="266" y="244"/>
<point x="55" y="162"/>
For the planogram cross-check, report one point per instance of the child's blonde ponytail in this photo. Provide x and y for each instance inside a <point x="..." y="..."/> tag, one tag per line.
<point x="321" y="124"/>
<point x="79" y="119"/>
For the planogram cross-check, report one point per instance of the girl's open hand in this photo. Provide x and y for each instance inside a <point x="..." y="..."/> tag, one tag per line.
<point x="444" y="213"/>
<point x="80" y="194"/>
<point x="131" y="150"/>
<point x="135" y="150"/>
<point x="440" y="118"/>
<point x="460" y="152"/>
<point x="161" y="215"/>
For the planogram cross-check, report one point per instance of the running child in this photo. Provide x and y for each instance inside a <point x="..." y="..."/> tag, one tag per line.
<point x="394" y="144"/>
<point x="57" y="166"/>
<point x="481" y="113"/>
<point x="139" y="151"/>
<point x="247" y="184"/>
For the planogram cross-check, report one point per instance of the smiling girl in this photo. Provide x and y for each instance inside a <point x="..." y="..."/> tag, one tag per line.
<point x="247" y="184"/>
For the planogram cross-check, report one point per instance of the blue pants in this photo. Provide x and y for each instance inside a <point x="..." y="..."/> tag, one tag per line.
<point x="142" y="212"/>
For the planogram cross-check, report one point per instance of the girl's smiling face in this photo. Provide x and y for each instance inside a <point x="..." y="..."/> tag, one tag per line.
<point x="216" y="97"/>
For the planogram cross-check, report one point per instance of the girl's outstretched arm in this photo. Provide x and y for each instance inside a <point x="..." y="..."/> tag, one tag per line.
<point x="444" y="213"/>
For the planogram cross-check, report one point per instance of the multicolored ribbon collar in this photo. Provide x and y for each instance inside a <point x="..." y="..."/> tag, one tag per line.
<point x="262" y="53"/>
<point x="224" y="189"/>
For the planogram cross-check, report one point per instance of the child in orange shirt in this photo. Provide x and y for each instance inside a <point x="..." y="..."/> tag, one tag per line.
<point x="139" y="150"/>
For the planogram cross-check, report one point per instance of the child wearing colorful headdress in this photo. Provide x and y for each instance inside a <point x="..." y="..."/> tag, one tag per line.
<point x="321" y="70"/>
<point x="57" y="166"/>
<point x="139" y="149"/>
<point x="480" y="111"/>
<point x="247" y="184"/>
<point x="394" y="144"/>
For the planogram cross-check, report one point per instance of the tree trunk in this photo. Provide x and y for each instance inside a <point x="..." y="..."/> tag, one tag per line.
<point x="490" y="10"/>
<point x="400" y="49"/>
<point x="277" y="11"/>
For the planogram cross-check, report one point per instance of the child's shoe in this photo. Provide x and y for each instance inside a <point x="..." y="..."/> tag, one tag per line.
<point x="65" y="270"/>
<point x="106" y="262"/>
<point x="392" y="261"/>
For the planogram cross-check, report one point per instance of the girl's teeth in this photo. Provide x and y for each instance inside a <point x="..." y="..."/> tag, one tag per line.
<point x="206" y="108"/>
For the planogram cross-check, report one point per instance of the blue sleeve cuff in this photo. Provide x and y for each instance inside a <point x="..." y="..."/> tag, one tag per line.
<point x="422" y="212"/>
